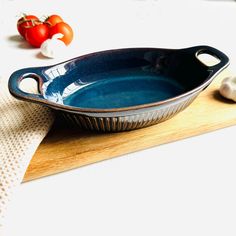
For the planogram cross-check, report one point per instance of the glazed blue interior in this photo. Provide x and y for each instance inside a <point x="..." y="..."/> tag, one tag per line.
<point x="123" y="78"/>
<point x="124" y="91"/>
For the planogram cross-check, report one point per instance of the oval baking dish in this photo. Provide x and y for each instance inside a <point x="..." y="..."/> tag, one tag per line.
<point x="122" y="89"/>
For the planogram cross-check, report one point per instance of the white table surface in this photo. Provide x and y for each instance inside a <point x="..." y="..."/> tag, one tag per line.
<point x="182" y="188"/>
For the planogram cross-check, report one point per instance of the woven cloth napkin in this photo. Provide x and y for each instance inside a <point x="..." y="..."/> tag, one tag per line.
<point x="23" y="126"/>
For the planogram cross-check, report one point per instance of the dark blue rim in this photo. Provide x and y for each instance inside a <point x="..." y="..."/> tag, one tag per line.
<point x="37" y="73"/>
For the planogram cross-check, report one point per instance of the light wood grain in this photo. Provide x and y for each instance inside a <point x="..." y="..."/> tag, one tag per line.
<point x="67" y="148"/>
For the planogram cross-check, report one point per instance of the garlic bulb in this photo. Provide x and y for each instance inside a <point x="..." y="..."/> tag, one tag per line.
<point x="228" y="88"/>
<point x="53" y="47"/>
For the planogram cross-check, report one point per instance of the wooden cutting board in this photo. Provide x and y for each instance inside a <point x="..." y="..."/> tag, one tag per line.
<point x="66" y="148"/>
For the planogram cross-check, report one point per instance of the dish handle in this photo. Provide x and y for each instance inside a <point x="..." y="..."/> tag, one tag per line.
<point x="18" y="76"/>
<point x="215" y="69"/>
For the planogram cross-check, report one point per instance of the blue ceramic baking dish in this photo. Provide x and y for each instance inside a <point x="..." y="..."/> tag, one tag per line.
<point x="121" y="89"/>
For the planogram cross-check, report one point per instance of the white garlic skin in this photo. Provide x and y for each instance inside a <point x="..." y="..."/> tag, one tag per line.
<point x="228" y="88"/>
<point x="53" y="47"/>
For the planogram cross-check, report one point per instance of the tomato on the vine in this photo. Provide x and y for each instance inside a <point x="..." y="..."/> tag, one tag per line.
<point x="37" y="34"/>
<point x="36" y="31"/>
<point x="53" y="20"/>
<point x="26" y="22"/>
<point x="64" y="29"/>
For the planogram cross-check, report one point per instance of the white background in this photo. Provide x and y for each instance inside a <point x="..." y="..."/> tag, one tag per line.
<point x="182" y="188"/>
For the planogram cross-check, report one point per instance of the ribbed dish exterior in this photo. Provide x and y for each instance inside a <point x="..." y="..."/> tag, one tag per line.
<point x="129" y="122"/>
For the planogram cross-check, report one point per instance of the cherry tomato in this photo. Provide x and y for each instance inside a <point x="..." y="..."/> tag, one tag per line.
<point x="37" y="34"/>
<point x="64" y="29"/>
<point x="53" y="20"/>
<point x="25" y="22"/>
